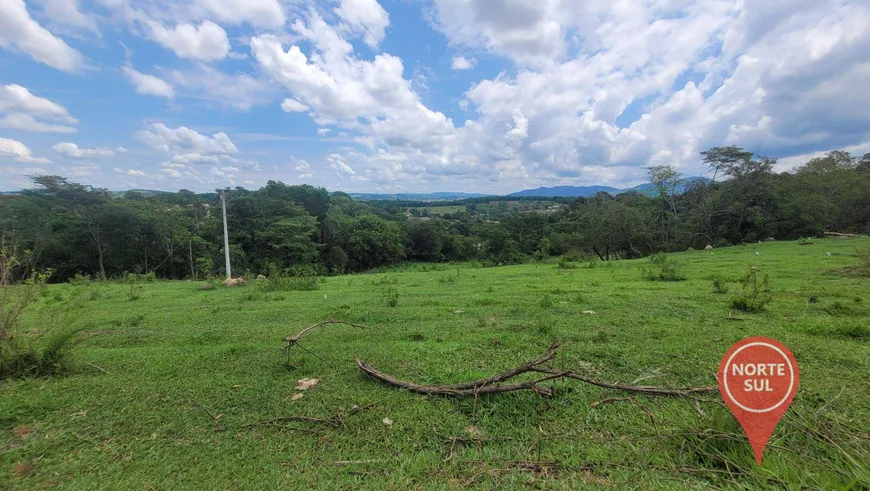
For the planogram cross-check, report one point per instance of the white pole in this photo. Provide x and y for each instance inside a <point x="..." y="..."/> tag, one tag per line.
<point x="226" y="236"/>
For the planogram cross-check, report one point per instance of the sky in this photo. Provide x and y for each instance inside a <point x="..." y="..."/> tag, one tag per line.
<point x="488" y="96"/>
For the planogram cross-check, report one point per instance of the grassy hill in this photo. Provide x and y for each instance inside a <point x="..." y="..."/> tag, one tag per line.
<point x="162" y="387"/>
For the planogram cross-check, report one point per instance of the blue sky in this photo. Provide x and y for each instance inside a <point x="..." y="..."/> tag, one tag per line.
<point x="421" y="95"/>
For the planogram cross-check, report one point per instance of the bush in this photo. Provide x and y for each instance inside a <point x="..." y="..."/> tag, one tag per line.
<point x="288" y="283"/>
<point x="564" y="263"/>
<point x="719" y="285"/>
<point x="663" y="268"/>
<point x="755" y="294"/>
<point x="863" y="260"/>
<point x="391" y="296"/>
<point x="23" y="355"/>
<point x="80" y="279"/>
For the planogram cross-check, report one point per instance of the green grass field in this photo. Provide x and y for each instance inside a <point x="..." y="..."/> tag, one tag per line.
<point x="187" y="370"/>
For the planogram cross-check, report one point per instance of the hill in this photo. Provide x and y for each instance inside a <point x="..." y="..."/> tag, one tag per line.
<point x="586" y="191"/>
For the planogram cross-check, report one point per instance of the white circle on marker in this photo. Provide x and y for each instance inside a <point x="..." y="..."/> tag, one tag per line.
<point x="790" y="383"/>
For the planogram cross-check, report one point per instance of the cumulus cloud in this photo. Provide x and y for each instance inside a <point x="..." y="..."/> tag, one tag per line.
<point x="72" y="150"/>
<point x="208" y="41"/>
<point x="258" y="13"/>
<point x="240" y="90"/>
<point x="19" y="152"/>
<point x="148" y="84"/>
<point x="462" y="63"/>
<point x="365" y="17"/>
<point x="130" y="172"/>
<point x="187" y="146"/>
<point x="26" y="122"/>
<point x="67" y="13"/>
<point x="293" y="106"/>
<point x="15" y="98"/>
<point x="18" y="31"/>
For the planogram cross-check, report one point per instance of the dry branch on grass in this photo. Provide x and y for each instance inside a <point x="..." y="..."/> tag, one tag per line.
<point x="294" y="340"/>
<point x="494" y="383"/>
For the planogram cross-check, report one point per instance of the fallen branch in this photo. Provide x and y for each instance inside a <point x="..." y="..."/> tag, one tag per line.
<point x="646" y="389"/>
<point x="494" y="383"/>
<point x="294" y="340"/>
<point x="448" y="391"/>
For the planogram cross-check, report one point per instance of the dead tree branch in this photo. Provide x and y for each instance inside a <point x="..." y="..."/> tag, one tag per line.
<point x="494" y="383"/>
<point x="294" y="340"/>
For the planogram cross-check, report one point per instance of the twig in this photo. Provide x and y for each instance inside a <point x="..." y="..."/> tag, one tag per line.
<point x="294" y="340"/>
<point x="633" y="388"/>
<point x="206" y="409"/>
<point x="97" y="367"/>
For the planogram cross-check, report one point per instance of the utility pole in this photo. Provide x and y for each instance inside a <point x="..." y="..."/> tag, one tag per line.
<point x="226" y="235"/>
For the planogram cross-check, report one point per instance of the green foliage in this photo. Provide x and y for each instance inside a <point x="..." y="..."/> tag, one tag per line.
<point x="719" y="285"/>
<point x="755" y="295"/>
<point x="281" y="283"/>
<point x="863" y="260"/>
<point x="27" y="354"/>
<point x="564" y="263"/>
<point x="663" y="268"/>
<point x="546" y="302"/>
<point x="391" y="296"/>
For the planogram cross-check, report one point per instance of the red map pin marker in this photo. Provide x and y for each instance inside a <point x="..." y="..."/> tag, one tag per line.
<point x="758" y="378"/>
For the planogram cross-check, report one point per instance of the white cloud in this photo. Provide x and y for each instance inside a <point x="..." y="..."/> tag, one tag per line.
<point x="20" y="32"/>
<point x="67" y="13"/>
<point x="462" y="63"/>
<point x="240" y="91"/>
<point x="130" y="172"/>
<point x="322" y="131"/>
<point x="304" y="169"/>
<point x="187" y="146"/>
<point x="337" y="162"/>
<point x="73" y="151"/>
<point x="208" y="41"/>
<point x="15" y="98"/>
<point x="258" y="13"/>
<point x="528" y="31"/>
<point x="365" y="17"/>
<point x="19" y="152"/>
<point x="149" y="84"/>
<point x="26" y="122"/>
<point x="293" y="106"/>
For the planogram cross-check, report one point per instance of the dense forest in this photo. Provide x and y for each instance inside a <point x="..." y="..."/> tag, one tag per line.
<point x="72" y="228"/>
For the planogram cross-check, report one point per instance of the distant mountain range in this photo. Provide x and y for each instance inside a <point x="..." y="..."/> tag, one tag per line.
<point x="553" y="192"/>
<point x="586" y="191"/>
<point x="415" y="196"/>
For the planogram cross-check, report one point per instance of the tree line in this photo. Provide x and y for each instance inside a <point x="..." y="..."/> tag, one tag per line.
<point x="73" y="228"/>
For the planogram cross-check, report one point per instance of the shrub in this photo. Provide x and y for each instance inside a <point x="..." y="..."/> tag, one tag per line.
<point x="80" y="279"/>
<point x="663" y="268"/>
<point x="391" y="296"/>
<point x="546" y="302"/>
<point x="719" y="285"/>
<point x="135" y="291"/>
<point x="564" y="263"/>
<point x="755" y="294"/>
<point x="863" y="260"/>
<point x="288" y="283"/>
<point x="385" y="280"/>
<point x="24" y="355"/>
